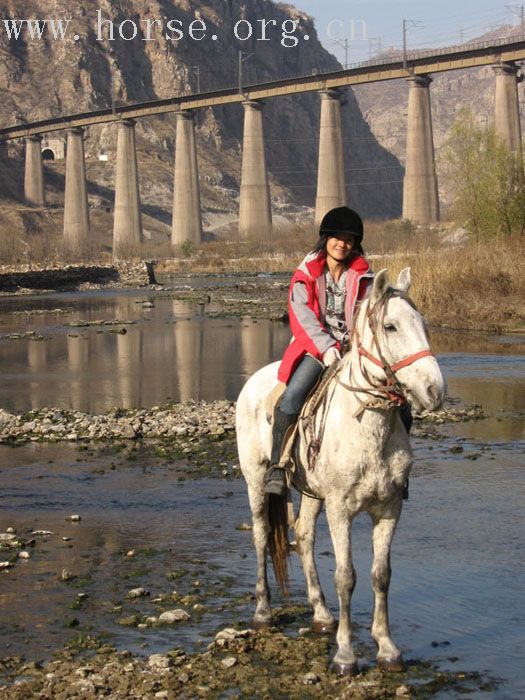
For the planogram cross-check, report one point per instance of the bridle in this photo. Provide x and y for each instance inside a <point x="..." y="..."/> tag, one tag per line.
<point x="385" y="395"/>
<point x="390" y="391"/>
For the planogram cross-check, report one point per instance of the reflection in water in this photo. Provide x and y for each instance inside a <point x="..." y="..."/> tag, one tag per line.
<point x="174" y="352"/>
<point x="170" y="352"/>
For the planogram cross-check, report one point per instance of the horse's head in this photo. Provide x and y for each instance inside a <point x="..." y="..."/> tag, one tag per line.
<point x="394" y="345"/>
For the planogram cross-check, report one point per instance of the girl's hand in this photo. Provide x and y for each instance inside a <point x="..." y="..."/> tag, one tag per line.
<point x="331" y="355"/>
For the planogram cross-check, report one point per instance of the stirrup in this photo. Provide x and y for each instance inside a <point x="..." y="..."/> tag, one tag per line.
<point x="275" y="481"/>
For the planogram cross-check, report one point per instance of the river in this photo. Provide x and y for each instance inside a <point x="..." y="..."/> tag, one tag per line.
<point x="457" y="555"/>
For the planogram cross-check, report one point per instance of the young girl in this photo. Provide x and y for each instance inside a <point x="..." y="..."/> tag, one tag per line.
<point x="324" y="293"/>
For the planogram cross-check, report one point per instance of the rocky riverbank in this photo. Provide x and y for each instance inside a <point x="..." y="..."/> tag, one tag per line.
<point x="183" y="423"/>
<point x="239" y="663"/>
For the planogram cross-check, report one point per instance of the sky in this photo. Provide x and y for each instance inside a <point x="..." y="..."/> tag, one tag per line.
<point x="377" y="24"/>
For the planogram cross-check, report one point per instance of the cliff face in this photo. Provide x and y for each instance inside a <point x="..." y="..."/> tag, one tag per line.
<point x="44" y="78"/>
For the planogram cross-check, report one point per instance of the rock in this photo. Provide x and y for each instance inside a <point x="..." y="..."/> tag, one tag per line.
<point x="130" y="553"/>
<point x="159" y="661"/>
<point x="228" y="634"/>
<point x="138" y="593"/>
<point x="171" y="616"/>
<point x="229" y="661"/>
<point x="310" y="678"/>
<point x="456" y="449"/>
<point x="66" y="575"/>
<point x="128" y="621"/>
<point x="402" y="691"/>
<point x="303" y="631"/>
<point x="24" y="555"/>
<point x="244" y="527"/>
<point x="75" y="518"/>
<point x="4" y="565"/>
<point x="10" y="530"/>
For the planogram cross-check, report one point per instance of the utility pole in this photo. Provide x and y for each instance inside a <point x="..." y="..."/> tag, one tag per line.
<point x="408" y="24"/>
<point x="197" y="70"/>
<point x="242" y="58"/>
<point x="344" y="44"/>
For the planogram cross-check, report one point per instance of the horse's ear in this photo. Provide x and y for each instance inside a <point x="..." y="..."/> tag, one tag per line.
<point x="404" y="280"/>
<point x="379" y="286"/>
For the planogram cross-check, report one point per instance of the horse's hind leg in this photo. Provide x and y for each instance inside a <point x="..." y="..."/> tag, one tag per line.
<point x="261" y="529"/>
<point x="305" y="531"/>
<point x="388" y="655"/>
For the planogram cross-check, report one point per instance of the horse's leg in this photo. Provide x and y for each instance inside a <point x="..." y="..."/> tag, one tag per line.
<point x="305" y="531"/>
<point x="388" y="655"/>
<point x="261" y="529"/>
<point x="340" y="523"/>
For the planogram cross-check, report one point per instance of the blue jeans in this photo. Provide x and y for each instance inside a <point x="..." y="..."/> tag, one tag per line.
<point x="301" y="382"/>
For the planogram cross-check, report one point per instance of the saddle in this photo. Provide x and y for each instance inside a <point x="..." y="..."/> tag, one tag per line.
<point x="305" y="422"/>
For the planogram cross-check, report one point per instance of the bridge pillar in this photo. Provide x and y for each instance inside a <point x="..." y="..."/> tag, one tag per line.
<point x="187" y="220"/>
<point x="255" y="209"/>
<point x="34" y="172"/>
<point x="507" y="111"/>
<point x="420" y="191"/>
<point x="331" y="185"/>
<point x="127" y="224"/>
<point x="76" y="212"/>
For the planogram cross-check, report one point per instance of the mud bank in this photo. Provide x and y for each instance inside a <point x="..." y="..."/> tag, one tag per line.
<point x="26" y="279"/>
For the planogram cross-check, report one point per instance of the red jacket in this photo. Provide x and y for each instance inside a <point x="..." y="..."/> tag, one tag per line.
<point x="310" y="334"/>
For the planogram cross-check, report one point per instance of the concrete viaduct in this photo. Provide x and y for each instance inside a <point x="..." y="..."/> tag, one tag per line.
<point x="420" y="196"/>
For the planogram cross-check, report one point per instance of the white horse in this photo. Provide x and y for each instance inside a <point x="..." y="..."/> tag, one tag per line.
<point x="363" y="461"/>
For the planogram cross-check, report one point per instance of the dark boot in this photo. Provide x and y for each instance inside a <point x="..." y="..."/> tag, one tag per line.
<point x="275" y="481"/>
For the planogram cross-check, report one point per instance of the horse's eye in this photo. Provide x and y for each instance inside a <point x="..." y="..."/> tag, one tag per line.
<point x="390" y="328"/>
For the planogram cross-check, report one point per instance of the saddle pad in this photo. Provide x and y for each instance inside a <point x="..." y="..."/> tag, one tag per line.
<point x="272" y="400"/>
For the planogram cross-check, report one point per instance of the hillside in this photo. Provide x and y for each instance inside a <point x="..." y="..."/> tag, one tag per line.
<point x="41" y="79"/>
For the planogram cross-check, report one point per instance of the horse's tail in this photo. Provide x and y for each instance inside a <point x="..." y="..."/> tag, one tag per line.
<point x="278" y="540"/>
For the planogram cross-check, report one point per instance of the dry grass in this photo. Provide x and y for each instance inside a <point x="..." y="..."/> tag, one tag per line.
<point x="478" y="286"/>
<point x="474" y="286"/>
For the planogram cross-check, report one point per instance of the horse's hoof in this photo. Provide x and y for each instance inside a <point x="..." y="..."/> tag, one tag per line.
<point x="392" y="665"/>
<point x="261" y="624"/>
<point x="345" y="669"/>
<point x="324" y="627"/>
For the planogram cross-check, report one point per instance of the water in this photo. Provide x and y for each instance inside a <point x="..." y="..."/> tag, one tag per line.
<point x="457" y="555"/>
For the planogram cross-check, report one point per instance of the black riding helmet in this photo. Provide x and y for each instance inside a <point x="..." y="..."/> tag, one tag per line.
<point x="342" y="220"/>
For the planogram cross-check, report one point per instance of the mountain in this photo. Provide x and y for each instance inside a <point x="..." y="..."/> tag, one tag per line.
<point x="49" y="78"/>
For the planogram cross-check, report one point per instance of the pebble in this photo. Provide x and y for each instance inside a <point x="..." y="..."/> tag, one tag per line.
<point x="24" y="555"/>
<point x="229" y="661"/>
<point x="310" y="678"/>
<point x="131" y="553"/>
<point x="138" y="593"/>
<point x="159" y="661"/>
<point x="171" y="616"/>
<point x="75" y="518"/>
